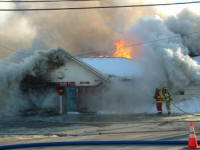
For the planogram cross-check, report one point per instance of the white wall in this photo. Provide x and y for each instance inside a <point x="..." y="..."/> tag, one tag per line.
<point x="74" y="72"/>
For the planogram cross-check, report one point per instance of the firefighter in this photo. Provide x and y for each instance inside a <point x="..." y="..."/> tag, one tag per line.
<point x="167" y="98"/>
<point x="159" y="98"/>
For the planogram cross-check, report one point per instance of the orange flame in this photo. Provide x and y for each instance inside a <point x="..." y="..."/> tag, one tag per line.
<point x="122" y="51"/>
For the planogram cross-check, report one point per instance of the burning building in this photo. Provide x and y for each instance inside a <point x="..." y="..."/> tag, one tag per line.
<point x="81" y="77"/>
<point x="75" y="79"/>
<point x="33" y="78"/>
<point x="44" y="75"/>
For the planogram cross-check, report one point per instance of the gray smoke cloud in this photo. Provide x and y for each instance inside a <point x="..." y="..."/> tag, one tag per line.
<point x="89" y="32"/>
<point x="186" y="24"/>
<point x="163" y="64"/>
<point x="17" y="92"/>
<point x="15" y="31"/>
<point x="84" y="33"/>
<point x="81" y="32"/>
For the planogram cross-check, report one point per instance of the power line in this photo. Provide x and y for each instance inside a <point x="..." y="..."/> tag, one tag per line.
<point x="168" y="38"/>
<point x="9" y="49"/>
<point x="42" y="1"/>
<point x="133" y="44"/>
<point x="31" y="1"/>
<point x="39" y="1"/>
<point x="100" y="7"/>
<point x="149" y="42"/>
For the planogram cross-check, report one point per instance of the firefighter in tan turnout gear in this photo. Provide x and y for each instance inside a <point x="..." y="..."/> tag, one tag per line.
<point x="167" y="98"/>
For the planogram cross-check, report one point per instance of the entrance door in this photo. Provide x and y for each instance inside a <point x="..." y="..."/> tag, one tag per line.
<point x="71" y="99"/>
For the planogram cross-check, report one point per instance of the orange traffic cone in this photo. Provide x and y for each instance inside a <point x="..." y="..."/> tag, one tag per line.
<point x="192" y="141"/>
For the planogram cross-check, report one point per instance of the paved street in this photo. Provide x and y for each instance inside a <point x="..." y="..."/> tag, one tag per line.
<point x="98" y="127"/>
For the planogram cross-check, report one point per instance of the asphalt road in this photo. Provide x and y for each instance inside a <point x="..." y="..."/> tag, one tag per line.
<point x="98" y="127"/>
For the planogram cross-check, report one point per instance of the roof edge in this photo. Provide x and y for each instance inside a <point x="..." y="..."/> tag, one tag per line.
<point x="88" y="67"/>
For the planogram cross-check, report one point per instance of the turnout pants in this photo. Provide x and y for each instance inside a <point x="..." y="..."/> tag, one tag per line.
<point x="159" y="106"/>
<point x="168" y="106"/>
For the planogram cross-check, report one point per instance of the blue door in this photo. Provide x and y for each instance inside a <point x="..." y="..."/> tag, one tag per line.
<point x="71" y="99"/>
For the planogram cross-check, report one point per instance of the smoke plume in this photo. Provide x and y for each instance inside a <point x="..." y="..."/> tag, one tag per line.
<point x="164" y="63"/>
<point x="83" y="33"/>
<point x="186" y="24"/>
<point x="24" y="79"/>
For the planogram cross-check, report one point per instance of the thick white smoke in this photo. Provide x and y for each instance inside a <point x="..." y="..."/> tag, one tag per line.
<point x="167" y="60"/>
<point x="186" y="24"/>
<point x="87" y="32"/>
<point x="164" y="63"/>
<point x="14" y="83"/>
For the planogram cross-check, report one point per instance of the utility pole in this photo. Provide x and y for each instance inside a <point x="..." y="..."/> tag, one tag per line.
<point x="61" y="105"/>
<point x="60" y="92"/>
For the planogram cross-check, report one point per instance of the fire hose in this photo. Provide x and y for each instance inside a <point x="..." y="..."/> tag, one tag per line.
<point x="99" y="143"/>
<point x="183" y="110"/>
<point x="180" y="108"/>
